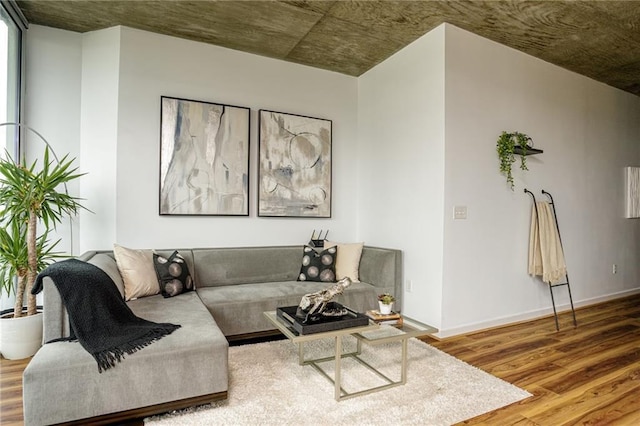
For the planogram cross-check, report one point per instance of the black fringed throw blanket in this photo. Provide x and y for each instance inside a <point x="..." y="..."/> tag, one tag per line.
<point x="100" y="320"/>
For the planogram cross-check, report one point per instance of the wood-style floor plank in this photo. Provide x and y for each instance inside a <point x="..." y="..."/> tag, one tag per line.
<point x="586" y="375"/>
<point x="11" y="391"/>
<point x="589" y="375"/>
<point x="585" y="402"/>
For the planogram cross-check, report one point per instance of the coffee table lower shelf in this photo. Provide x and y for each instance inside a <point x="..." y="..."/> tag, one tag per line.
<point x="371" y="334"/>
<point x="340" y="393"/>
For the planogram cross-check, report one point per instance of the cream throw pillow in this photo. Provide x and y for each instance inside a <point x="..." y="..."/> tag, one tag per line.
<point x="348" y="261"/>
<point x="138" y="273"/>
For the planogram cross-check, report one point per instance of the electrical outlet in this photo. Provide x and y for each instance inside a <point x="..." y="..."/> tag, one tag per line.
<point x="409" y="286"/>
<point x="614" y="269"/>
<point x="459" y="212"/>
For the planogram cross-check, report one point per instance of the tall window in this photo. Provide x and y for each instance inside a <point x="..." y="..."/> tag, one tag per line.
<point x="11" y="25"/>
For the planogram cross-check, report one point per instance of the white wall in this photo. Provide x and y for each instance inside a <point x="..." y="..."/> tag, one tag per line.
<point x="52" y="105"/>
<point x="589" y="132"/>
<point x="120" y="74"/>
<point x="429" y="118"/>
<point x="99" y="137"/>
<point x="152" y="65"/>
<point x="401" y="160"/>
<point x="412" y="138"/>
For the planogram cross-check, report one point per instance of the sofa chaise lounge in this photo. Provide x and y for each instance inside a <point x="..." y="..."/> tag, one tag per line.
<point x="234" y="286"/>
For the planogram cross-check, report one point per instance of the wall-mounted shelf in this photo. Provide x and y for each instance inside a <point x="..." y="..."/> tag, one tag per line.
<point x="530" y="151"/>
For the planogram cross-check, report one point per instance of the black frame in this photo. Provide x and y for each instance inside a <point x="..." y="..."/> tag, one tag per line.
<point x="313" y="148"/>
<point x="197" y="155"/>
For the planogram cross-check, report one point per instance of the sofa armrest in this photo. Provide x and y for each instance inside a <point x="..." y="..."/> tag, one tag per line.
<point x="382" y="268"/>
<point x="55" y="318"/>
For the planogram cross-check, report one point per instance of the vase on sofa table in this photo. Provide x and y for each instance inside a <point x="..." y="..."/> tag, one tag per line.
<point x="385" y="309"/>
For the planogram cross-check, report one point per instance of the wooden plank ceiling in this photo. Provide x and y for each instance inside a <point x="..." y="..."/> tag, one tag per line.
<point x="598" y="39"/>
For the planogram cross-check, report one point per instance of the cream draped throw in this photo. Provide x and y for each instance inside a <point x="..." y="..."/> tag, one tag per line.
<point x="546" y="257"/>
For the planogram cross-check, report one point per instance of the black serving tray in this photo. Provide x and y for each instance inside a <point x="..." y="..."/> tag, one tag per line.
<point x="353" y="319"/>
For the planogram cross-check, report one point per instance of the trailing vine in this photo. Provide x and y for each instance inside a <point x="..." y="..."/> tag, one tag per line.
<point x="506" y="145"/>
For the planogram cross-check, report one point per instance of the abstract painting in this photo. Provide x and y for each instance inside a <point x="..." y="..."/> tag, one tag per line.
<point x="632" y="177"/>
<point x="204" y="158"/>
<point x="294" y="166"/>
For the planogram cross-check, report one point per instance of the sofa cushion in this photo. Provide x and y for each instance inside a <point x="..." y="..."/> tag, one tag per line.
<point x="244" y="265"/>
<point x="348" y="260"/>
<point x="173" y="274"/>
<point x="136" y="268"/>
<point x="190" y="362"/>
<point x="238" y="309"/>
<point x="318" y="266"/>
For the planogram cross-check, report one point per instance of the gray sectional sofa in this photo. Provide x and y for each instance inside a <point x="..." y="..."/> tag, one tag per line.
<point x="234" y="286"/>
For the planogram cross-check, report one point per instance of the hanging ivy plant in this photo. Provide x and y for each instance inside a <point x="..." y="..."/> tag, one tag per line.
<point x="506" y="147"/>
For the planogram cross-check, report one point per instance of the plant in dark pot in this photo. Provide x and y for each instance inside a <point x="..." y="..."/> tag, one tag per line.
<point x="28" y="196"/>
<point x="507" y="146"/>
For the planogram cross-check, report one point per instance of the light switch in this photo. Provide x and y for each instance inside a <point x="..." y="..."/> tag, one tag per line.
<point x="459" y="212"/>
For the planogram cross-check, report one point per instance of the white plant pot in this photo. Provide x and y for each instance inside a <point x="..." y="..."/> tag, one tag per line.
<point x="20" y="337"/>
<point x="385" y="309"/>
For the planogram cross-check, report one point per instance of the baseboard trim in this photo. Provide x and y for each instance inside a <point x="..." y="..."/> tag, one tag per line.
<point x="123" y="417"/>
<point x="531" y="315"/>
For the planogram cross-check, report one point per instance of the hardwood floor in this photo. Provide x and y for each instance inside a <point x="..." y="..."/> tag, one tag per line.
<point x="11" y="391"/>
<point x="588" y="375"/>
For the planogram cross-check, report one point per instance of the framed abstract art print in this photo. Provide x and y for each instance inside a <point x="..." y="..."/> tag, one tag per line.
<point x="204" y="158"/>
<point x="294" y="166"/>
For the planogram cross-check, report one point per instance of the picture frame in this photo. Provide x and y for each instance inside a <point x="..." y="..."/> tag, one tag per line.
<point x="204" y="158"/>
<point x="632" y="192"/>
<point x="294" y="165"/>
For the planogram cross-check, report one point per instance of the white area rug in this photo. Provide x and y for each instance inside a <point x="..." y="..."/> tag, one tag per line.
<point x="268" y="387"/>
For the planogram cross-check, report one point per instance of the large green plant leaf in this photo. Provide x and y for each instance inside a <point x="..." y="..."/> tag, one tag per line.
<point x="28" y="192"/>
<point x="14" y="261"/>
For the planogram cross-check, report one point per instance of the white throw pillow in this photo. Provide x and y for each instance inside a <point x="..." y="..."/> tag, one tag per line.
<point x="138" y="273"/>
<point x="348" y="261"/>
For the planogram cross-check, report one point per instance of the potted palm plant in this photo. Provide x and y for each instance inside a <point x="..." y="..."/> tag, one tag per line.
<point x="29" y="196"/>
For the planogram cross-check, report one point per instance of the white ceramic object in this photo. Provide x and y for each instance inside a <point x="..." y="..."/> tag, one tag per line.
<point x="20" y="337"/>
<point x="385" y="309"/>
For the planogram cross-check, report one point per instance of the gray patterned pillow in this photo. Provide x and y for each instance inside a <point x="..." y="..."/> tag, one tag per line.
<point x="173" y="274"/>
<point x="318" y="266"/>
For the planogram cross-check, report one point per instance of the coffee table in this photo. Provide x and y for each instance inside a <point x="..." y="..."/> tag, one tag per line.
<point x="371" y="334"/>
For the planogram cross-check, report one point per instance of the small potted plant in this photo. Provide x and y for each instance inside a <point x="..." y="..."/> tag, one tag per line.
<point x="385" y="302"/>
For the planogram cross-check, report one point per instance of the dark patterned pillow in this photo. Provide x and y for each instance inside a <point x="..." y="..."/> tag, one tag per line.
<point x="318" y="266"/>
<point x="173" y="274"/>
